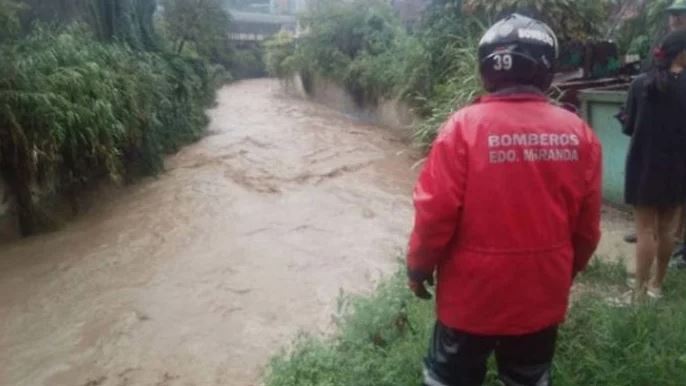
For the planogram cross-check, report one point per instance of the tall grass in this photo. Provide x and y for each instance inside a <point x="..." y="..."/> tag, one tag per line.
<point x="383" y="337"/>
<point x="74" y="109"/>
<point x="458" y="86"/>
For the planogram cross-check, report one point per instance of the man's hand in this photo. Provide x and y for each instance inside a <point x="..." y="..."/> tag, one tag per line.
<point x="418" y="282"/>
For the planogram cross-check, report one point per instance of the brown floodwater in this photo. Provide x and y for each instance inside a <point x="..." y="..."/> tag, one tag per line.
<point x="199" y="276"/>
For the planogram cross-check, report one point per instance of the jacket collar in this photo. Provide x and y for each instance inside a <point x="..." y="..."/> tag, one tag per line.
<point x="516" y="93"/>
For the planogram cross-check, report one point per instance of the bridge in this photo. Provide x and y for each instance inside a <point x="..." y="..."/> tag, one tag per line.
<point x="256" y="27"/>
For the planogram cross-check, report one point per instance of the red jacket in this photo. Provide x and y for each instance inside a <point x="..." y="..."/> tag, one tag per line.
<point x="508" y="211"/>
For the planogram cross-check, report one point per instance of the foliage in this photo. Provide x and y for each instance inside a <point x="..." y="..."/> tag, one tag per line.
<point x="74" y="109"/>
<point x="248" y="62"/>
<point x="461" y="84"/>
<point x="434" y="67"/>
<point x="202" y="23"/>
<point x="358" y="44"/>
<point x="382" y="339"/>
<point x="128" y="21"/>
<point x="279" y="55"/>
<point x="9" y="18"/>
<point x="366" y="50"/>
<point x="104" y="98"/>
<point x="572" y="19"/>
<point x="645" y="29"/>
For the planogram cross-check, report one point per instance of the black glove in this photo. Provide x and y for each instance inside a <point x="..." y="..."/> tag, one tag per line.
<point x="418" y="282"/>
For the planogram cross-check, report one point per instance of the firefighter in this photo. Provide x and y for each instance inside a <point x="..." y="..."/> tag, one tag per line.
<point x="507" y="212"/>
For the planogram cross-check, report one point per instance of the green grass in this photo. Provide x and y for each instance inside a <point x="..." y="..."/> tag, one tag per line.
<point x="382" y="338"/>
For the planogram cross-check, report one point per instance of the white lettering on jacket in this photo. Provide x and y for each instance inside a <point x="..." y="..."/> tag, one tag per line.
<point x="533" y="139"/>
<point x="533" y="147"/>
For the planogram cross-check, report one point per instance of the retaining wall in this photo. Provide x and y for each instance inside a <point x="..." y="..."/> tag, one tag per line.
<point x="393" y="114"/>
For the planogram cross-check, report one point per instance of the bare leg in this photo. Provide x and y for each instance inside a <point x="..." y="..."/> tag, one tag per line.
<point x="667" y="221"/>
<point x="681" y="227"/>
<point x="646" y="246"/>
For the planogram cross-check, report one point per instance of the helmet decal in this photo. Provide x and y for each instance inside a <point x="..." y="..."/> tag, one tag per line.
<point x="534" y="34"/>
<point x="518" y="50"/>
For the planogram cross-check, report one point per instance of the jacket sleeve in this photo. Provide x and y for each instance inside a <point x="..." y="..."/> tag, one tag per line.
<point x="438" y="198"/>
<point x="586" y="235"/>
<point x="627" y="116"/>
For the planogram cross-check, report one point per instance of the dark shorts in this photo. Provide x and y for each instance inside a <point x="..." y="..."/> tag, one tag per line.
<point x="460" y="359"/>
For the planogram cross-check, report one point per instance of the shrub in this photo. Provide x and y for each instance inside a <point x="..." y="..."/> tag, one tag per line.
<point x="357" y="44"/>
<point x="366" y="50"/>
<point x="279" y="51"/>
<point x="74" y="109"/>
<point x="454" y="77"/>
<point x="248" y="62"/>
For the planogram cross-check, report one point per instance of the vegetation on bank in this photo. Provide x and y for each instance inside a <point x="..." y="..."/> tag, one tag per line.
<point x="363" y="46"/>
<point x="93" y="89"/>
<point x="382" y="338"/>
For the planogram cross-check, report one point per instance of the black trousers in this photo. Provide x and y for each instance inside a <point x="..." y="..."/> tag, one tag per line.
<point x="460" y="359"/>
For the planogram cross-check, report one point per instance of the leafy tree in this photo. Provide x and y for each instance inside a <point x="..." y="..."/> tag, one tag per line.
<point x="9" y="17"/>
<point x="130" y="21"/>
<point x="202" y="23"/>
<point x="571" y="19"/>
<point x="644" y="28"/>
<point x="73" y="109"/>
<point x="279" y="54"/>
<point x="102" y="97"/>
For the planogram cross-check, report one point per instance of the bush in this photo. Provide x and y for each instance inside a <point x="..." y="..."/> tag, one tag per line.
<point x="279" y="51"/>
<point x="453" y="80"/>
<point x="382" y="339"/>
<point x="248" y="63"/>
<point x="74" y="109"/>
<point x="362" y="46"/>
<point x="366" y="50"/>
<point x="359" y="44"/>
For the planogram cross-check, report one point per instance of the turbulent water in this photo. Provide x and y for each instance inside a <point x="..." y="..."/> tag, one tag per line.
<point x="199" y="276"/>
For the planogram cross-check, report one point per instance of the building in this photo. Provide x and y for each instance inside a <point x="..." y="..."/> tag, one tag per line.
<point x="256" y="27"/>
<point x="288" y="7"/>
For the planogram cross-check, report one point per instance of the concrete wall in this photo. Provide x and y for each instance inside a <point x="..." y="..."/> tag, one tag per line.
<point x="390" y="113"/>
<point x="599" y="107"/>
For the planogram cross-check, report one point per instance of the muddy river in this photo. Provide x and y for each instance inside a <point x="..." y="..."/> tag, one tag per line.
<point x="198" y="276"/>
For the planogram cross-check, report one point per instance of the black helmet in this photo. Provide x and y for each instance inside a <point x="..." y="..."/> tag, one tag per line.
<point x="516" y="51"/>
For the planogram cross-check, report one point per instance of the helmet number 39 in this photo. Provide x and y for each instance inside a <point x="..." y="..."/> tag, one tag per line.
<point x="502" y="62"/>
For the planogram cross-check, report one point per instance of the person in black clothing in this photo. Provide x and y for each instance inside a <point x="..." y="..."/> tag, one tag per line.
<point x="676" y="20"/>
<point x="656" y="163"/>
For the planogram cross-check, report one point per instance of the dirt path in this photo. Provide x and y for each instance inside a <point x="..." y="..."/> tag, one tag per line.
<point x="197" y="277"/>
